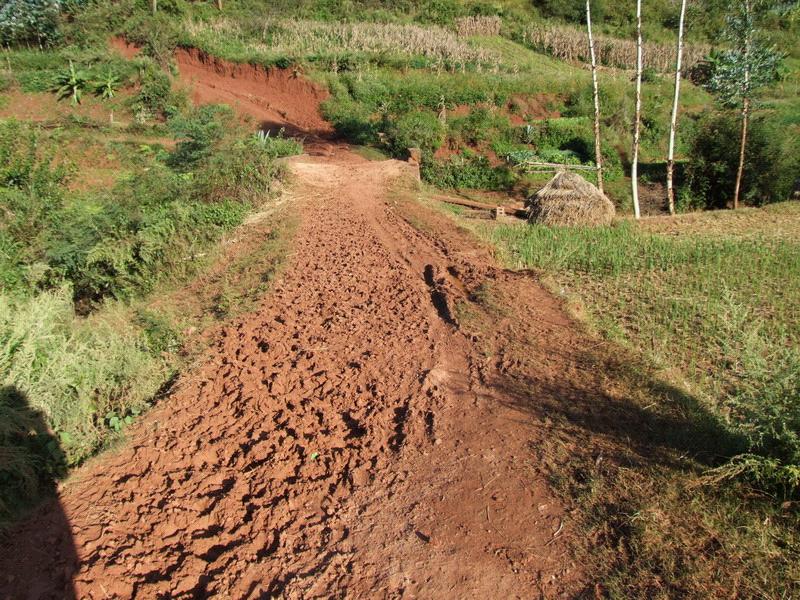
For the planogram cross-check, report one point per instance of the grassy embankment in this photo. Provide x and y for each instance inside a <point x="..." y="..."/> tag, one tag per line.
<point x="110" y="235"/>
<point x="708" y="306"/>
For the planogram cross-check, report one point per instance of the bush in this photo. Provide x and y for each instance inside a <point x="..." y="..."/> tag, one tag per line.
<point x="480" y="125"/>
<point x="570" y="10"/>
<point x="31" y="189"/>
<point x="771" y="163"/>
<point x="155" y="97"/>
<point x="197" y="134"/>
<point x="416" y="129"/>
<point x="156" y="34"/>
<point x="466" y="172"/>
<point x="151" y="226"/>
<point x="29" y="21"/>
<point x="352" y="120"/>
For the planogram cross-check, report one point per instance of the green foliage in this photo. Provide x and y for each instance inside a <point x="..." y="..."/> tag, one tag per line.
<point x="30" y="457"/>
<point x="157" y="35"/>
<point x="571" y="10"/>
<point x="441" y="12"/>
<point x="727" y="80"/>
<point x="197" y="134"/>
<point x="352" y="120"/>
<point x="108" y="85"/>
<point x="277" y="146"/>
<point x="481" y="125"/>
<point x="71" y="83"/>
<point x="750" y="63"/>
<point x="770" y="169"/>
<point x="29" y="21"/>
<point x="121" y="242"/>
<point x="720" y="307"/>
<point x="466" y="172"/>
<point x="417" y="129"/>
<point x="155" y="97"/>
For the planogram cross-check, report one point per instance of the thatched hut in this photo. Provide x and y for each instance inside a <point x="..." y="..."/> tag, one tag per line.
<point x="568" y="199"/>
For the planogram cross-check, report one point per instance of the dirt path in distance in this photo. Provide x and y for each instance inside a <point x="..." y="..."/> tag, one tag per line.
<point x="338" y="442"/>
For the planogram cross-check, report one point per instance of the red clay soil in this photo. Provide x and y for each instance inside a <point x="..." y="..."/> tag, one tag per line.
<point x="125" y="48"/>
<point x="274" y="97"/>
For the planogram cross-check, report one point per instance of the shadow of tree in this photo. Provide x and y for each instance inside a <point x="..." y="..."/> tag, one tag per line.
<point x="671" y="427"/>
<point x="31" y="462"/>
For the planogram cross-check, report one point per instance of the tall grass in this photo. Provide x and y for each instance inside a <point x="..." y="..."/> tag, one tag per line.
<point x="78" y="373"/>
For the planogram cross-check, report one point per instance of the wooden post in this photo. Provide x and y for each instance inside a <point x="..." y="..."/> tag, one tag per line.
<point x="674" y="120"/>
<point x="598" y="155"/>
<point x="638" y="113"/>
<point x="745" y="103"/>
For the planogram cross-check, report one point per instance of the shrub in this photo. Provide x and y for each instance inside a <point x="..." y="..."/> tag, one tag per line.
<point x="197" y="134"/>
<point x="24" y="21"/>
<point x="417" y="129"/>
<point x="31" y="187"/>
<point x="480" y="125"/>
<point x="155" y="94"/>
<point x="772" y="161"/>
<point x="466" y="172"/>
<point x="351" y="120"/>
<point x="276" y="146"/>
<point x="156" y="34"/>
<point x="441" y="12"/>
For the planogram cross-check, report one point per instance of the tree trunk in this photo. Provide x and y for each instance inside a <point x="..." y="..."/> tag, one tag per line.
<point x="219" y="4"/>
<point x="745" y="106"/>
<point x="743" y="144"/>
<point x="638" y="113"/>
<point x="153" y="6"/>
<point x="598" y="155"/>
<point x="674" y="120"/>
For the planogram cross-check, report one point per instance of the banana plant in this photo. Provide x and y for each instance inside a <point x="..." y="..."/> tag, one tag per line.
<point x="107" y="87"/>
<point x="71" y="84"/>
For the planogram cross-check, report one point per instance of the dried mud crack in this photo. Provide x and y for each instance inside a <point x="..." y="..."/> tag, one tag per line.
<point x="340" y="441"/>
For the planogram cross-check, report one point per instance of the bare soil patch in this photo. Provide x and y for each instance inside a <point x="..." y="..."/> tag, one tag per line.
<point x="276" y="98"/>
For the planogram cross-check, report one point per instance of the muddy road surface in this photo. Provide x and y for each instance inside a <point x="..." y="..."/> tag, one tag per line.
<point x="342" y="441"/>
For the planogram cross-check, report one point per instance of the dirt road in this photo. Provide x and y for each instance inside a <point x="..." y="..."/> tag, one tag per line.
<point x="341" y="441"/>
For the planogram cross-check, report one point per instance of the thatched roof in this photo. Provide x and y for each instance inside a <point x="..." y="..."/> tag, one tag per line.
<point x="568" y="199"/>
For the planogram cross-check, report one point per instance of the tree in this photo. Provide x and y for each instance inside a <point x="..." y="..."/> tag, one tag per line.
<point x="637" y="118"/>
<point x="598" y="156"/>
<point x="153" y="6"/>
<point x="738" y="73"/>
<point x="674" y="118"/>
<point x="24" y="21"/>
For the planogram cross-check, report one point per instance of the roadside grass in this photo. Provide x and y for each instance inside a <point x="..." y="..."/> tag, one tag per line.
<point x="695" y="335"/>
<point x="720" y="308"/>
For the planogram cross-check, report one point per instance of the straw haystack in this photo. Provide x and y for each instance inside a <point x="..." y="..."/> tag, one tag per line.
<point x="568" y="199"/>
